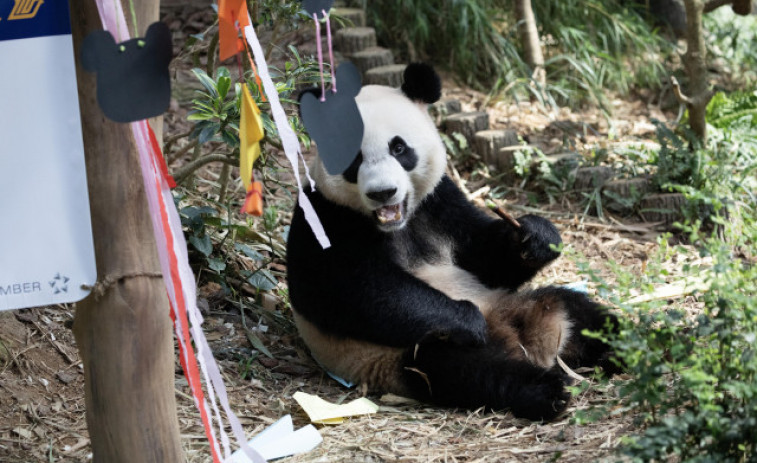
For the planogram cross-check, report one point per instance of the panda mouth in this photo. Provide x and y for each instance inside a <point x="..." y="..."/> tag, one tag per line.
<point x="390" y="215"/>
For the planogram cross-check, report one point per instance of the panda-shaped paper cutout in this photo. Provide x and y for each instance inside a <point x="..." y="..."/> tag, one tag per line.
<point x="317" y="7"/>
<point x="133" y="82"/>
<point x="335" y="124"/>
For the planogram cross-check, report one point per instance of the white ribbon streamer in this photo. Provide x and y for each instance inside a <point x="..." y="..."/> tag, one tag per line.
<point x="288" y="137"/>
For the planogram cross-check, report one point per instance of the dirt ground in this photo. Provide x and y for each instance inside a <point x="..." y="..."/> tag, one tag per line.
<point x="41" y="381"/>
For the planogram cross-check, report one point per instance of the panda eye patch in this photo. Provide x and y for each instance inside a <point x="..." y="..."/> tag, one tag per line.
<point x="404" y="154"/>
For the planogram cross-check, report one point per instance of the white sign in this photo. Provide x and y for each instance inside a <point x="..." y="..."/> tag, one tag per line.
<point x="46" y="251"/>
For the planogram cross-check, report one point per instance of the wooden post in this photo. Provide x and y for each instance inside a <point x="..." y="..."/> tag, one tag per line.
<point x="123" y="329"/>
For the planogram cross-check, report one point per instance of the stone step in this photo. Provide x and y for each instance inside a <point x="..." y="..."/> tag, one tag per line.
<point x="351" y="40"/>
<point x="489" y="143"/>
<point x="589" y="178"/>
<point x="371" y="58"/>
<point x="467" y="124"/>
<point x="355" y="17"/>
<point x="390" y="75"/>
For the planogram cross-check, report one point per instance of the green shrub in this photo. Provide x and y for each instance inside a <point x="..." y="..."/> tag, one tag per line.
<point x="693" y="361"/>
<point x="461" y="34"/>
<point x="733" y="39"/>
<point x="593" y="47"/>
<point x="694" y="386"/>
<point x="718" y="179"/>
<point x="589" y="47"/>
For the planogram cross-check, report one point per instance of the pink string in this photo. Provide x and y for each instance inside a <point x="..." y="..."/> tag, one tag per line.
<point x="331" y="50"/>
<point x="320" y="55"/>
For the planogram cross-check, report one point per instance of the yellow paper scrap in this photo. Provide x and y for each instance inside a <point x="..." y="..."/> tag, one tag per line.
<point x="323" y="412"/>
<point x="250" y="134"/>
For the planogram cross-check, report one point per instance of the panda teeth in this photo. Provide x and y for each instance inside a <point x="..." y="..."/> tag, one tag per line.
<point x="389" y="214"/>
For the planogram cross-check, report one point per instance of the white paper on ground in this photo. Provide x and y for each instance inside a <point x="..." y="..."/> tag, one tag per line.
<point x="281" y="440"/>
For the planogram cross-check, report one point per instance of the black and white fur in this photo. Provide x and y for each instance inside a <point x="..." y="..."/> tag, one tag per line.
<point x="416" y="295"/>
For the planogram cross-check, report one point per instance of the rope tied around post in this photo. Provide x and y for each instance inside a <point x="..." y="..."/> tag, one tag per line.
<point x="104" y="284"/>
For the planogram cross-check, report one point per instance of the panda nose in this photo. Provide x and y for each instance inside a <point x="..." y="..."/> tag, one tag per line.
<point x="382" y="196"/>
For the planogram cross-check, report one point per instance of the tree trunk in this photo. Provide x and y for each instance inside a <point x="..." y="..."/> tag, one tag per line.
<point x="699" y="93"/>
<point x="529" y="37"/>
<point x="123" y="329"/>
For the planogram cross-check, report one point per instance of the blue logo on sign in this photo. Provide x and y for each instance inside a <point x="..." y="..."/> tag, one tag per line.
<point x="24" y="19"/>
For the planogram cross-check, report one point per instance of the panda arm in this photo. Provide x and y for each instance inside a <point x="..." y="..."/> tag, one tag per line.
<point x="500" y="254"/>
<point x="355" y="290"/>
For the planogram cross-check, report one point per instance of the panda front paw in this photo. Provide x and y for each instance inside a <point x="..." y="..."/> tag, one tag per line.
<point x="472" y="330"/>
<point x="537" y="236"/>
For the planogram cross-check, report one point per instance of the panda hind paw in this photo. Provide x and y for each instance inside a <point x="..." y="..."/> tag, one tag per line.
<point x="544" y="398"/>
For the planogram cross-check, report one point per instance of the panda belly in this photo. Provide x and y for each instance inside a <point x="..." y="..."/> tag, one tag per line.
<point x="530" y="329"/>
<point x="458" y="284"/>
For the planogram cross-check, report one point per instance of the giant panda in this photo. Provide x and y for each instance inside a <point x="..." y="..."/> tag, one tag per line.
<point x="418" y="293"/>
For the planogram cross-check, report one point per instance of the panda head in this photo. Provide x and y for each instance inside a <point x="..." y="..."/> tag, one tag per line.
<point x="402" y="158"/>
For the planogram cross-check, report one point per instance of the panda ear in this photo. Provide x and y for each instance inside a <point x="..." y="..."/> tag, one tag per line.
<point x="422" y="83"/>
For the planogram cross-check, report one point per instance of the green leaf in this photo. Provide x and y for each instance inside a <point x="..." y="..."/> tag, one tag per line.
<point x="204" y="245"/>
<point x="257" y="343"/>
<point x="248" y="251"/>
<point x="202" y="105"/>
<point x="216" y="265"/>
<point x="224" y="83"/>
<point x="207" y="133"/>
<point x="230" y="139"/>
<point x="263" y="280"/>
<point x="222" y="71"/>
<point x="198" y="116"/>
<point x="206" y="81"/>
<point x="194" y="211"/>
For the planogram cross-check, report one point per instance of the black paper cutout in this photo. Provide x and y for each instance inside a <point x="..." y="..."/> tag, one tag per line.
<point x="132" y="84"/>
<point x="335" y="124"/>
<point x="317" y="6"/>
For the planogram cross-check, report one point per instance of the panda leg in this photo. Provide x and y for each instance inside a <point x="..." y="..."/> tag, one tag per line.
<point x="442" y="372"/>
<point x="532" y="329"/>
<point x="585" y="314"/>
<point x="539" y="325"/>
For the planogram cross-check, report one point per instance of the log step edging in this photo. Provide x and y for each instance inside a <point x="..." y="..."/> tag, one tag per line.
<point x="489" y="145"/>
<point x="351" y="40"/>
<point x="356" y="16"/>
<point x="467" y="124"/>
<point x="371" y="58"/>
<point x="390" y="75"/>
<point x="589" y="178"/>
<point x="666" y="208"/>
